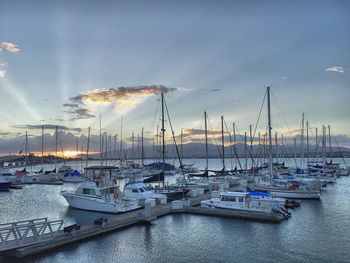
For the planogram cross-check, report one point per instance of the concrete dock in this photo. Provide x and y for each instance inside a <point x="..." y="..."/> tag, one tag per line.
<point x="123" y="220"/>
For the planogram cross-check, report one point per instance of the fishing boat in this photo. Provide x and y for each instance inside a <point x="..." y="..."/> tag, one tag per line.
<point x="108" y="199"/>
<point x="244" y="202"/>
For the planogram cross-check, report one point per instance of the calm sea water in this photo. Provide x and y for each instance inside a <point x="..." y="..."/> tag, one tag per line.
<point x="318" y="231"/>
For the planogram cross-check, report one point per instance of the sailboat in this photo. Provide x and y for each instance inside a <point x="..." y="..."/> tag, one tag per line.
<point x="170" y="192"/>
<point x="283" y="189"/>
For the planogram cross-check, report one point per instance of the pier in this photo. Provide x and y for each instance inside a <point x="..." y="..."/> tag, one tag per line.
<point x="28" y="245"/>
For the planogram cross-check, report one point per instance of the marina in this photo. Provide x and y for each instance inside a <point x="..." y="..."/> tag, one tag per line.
<point x="88" y="230"/>
<point x="174" y="131"/>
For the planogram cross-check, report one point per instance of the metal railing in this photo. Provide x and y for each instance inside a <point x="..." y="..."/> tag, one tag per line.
<point x="24" y="233"/>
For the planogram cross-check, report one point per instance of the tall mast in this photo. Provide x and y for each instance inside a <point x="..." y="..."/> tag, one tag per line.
<point x="246" y="151"/>
<point x="56" y="147"/>
<point x="142" y="150"/>
<point x="121" y="140"/>
<point x="26" y="150"/>
<point x="302" y="142"/>
<point x="206" y="142"/>
<point x="222" y="143"/>
<point x="307" y="142"/>
<point x="132" y="146"/>
<point x="163" y="134"/>
<point x="323" y="148"/>
<point x="101" y="144"/>
<point x="42" y="148"/>
<point x="251" y="144"/>
<point x="163" y="139"/>
<point x="87" y="148"/>
<point x="270" y="130"/>
<point x="182" y="156"/>
<point x="234" y="142"/>
<point x="330" y="141"/>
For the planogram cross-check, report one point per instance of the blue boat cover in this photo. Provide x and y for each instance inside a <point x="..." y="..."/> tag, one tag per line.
<point x="259" y="194"/>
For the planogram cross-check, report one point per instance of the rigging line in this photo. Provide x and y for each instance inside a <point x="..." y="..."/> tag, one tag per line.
<point x="212" y="133"/>
<point x="231" y="143"/>
<point x="155" y="114"/>
<point x="59" y="139"/>
<point x="172" y="131"/>
<point x="281" y="112"/>
<point x="233" y="149"/>
<point x="257" y="122"/>
<point x="341" y="154"/>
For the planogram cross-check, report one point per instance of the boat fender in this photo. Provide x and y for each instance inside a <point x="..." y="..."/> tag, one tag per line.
<point x="115" y="195"/>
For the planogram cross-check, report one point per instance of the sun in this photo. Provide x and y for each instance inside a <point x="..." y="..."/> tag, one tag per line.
<point x="70" y="154"/>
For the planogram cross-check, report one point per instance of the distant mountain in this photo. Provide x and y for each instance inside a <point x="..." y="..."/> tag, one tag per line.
<point x="197" y="150"/>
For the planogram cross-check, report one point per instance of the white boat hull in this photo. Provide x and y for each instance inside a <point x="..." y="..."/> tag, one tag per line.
<point x="99" y="204"/>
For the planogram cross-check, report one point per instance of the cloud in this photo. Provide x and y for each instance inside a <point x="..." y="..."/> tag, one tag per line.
<point x="46" y="127"/>
<point x="214" y="89"/>
<point x="338" y="69"/>
<point x="71" y="105"/>
<point x="10" y="47"/>
<point x="122" y="98"/>
<point x="81" y="113"/>
<point x="2" y="73"/>
<point x="121" y="95"/>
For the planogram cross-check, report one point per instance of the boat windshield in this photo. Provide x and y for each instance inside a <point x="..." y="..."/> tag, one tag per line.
<point x="89" y="191"/>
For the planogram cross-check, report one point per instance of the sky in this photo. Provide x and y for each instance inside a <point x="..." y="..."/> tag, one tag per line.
<point x="66" y="63"/>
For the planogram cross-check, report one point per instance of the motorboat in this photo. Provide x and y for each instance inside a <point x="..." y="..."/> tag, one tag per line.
<point x="246" y="203"/>
<point x="88" y="196"/>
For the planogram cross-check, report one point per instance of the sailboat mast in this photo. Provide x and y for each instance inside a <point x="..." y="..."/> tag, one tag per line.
<point x="302" y="142"/>
<point x="307" y="142"/>
<point x="121" y="140"/>
<point x="101" y="146"/>
<point x="206" y="141"/>
<point x="222" y="143"/>
<point x="87" y="148"/>
<point x="270" y="130"/>
<point x="42" y="148"/>
<point x="163" y="139"/>
<point x="26" y="149"/>
<point x="330" y="141"/>
<point x="56" y="132"/>
<point x="142" y="150"/>
<point x="181" y="137"/>
<point x="234" y="142"/>
<point x="323" y="148"/>
<point x="163" y="134"/>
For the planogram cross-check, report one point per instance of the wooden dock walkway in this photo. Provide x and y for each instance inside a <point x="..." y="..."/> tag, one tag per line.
<point x="123" y="220"/>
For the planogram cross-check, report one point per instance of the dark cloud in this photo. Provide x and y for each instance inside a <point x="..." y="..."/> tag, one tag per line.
<point x="71" y="105"/>
<point x="47" y="127"/>
<point x="80" y="114"/>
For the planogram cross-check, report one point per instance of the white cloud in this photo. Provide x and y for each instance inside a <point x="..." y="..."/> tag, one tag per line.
<point x="2" y="73"/>
<point x="338" y="69"/>
<point x="10" y="47"/>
